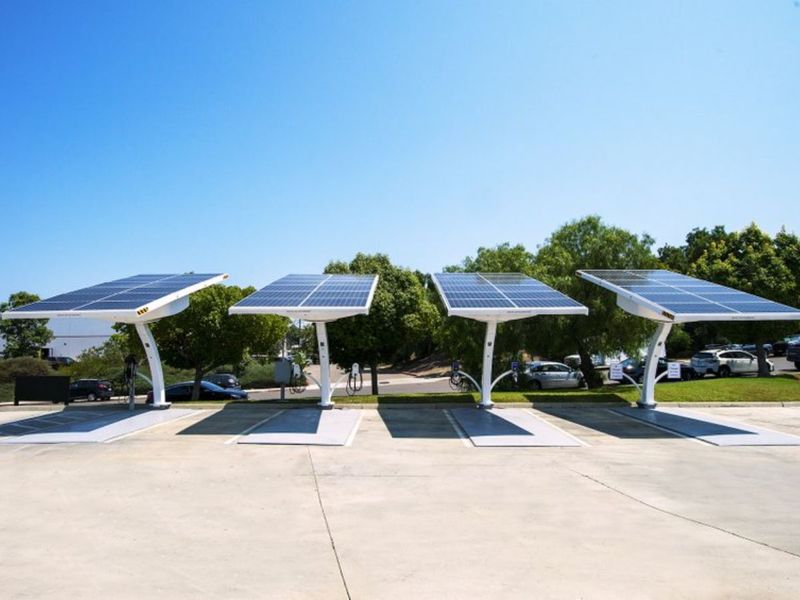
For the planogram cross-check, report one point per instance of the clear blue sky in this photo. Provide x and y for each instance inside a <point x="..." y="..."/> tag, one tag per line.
<point x="263" y="138"/>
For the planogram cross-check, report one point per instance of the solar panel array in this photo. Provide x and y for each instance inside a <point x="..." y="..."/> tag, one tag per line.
<point x="681" y="294"/>
<point x="122" y="294"/>
<point x="500" y="290"/>
<point x="315" y="291"/>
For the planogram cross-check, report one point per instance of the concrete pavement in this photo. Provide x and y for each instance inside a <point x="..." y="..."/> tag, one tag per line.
<point x="408" y="511"/>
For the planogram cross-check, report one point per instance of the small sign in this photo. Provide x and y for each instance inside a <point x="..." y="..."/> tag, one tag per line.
<point x="673" y="370"/>
<point x="515" y="366"/>
<point x="615" y="371"/>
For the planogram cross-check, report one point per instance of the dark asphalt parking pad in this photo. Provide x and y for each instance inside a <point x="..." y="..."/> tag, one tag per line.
<point x="509" y="427"/>
<point x="710" y="429"/>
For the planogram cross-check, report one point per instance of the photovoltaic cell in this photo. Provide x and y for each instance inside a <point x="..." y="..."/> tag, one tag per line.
<point x="130" y="293"/>
<point x="314" y="291"/>
<point x="684" y="295"/>
<point x="499" y="290"/>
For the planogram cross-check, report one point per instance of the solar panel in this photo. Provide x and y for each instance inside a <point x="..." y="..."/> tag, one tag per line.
<point x="683" y="298"/>
<point x="128" y="295"/>
<point x="501" y="296"/>
<point x="300" y="295"/>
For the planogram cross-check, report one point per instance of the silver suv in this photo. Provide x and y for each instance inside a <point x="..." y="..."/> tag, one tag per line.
<point x="724" y="363"/>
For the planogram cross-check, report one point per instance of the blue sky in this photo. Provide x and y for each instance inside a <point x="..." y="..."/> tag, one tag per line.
<point x="264" y="138"/>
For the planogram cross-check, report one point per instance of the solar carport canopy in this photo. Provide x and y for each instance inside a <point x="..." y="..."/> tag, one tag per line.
<point x="122" y="300"/>
<point x="501" y="296"/>
<point x="680" y="298"/>
<point x="312" y="297"/>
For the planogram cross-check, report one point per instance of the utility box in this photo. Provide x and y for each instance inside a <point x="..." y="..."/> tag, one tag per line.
<point x="283" y="371"/>
<point x="48" y="388"/>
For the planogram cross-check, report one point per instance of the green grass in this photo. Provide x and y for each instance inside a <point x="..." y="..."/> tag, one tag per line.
<point x="780" y="388"/>
<point x="6" y="392"/>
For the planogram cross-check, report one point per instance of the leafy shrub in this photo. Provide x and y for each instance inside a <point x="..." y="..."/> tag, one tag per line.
<point x="255" y="375"/>
<point x="25" y="365"/>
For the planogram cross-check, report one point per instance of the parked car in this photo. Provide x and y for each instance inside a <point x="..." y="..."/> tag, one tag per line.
<point x="634" y="368"/>
<point x="208" y="391"/>
<point x="224" y="380"/>
<point x="91" y="389"/>
<point x="782" y="347"/>
<point x="724" y="363"/>
<point x="793" y="354"/>
<point x="547" y="375"/>
<point x="722" y="347"/>
<point x="574" y="360"/>
<point x="751" y="348"/>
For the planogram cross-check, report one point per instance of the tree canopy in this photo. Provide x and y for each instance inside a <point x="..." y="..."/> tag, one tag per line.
<point x="401" y="318"/>
<point x="23" y="337"/>
<point x="588" y="243"/>
<point x="205" y="336"/>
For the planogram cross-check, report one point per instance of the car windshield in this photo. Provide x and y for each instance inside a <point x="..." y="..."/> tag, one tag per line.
<point x="704" y="355"/>
<point x="629" y="362"/>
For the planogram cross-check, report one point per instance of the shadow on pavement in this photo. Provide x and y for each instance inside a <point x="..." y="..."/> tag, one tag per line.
<point x="606" y="421"/>
<point x="230" y="420"/>
<point x="422" y="424"/>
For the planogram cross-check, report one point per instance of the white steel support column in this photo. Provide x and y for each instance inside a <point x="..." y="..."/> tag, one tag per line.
<point x="324" y="366"/>
<point x="154" y="360"/>
<point x="486" y="374"/>
<point x="648" y="397"/>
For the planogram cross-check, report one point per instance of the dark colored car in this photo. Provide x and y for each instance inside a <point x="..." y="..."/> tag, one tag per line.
<point x="751" y="348"/>
<point x="793" y="354"/>
<point x="781" y="347"/>
<point x="634" y="368"/>
<point x="208" y="391"/>
<point x="224" y="380"/>
<point x="91" y="389"/>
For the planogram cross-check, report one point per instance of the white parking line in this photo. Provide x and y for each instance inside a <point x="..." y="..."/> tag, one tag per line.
<point x="249" y="429"/>
<point x="664" y="429"/>
<point x="352" y="435"/>
<point x="154" y="425"/>
<point x="549" y="424"/>
<point x="459" y="432"/>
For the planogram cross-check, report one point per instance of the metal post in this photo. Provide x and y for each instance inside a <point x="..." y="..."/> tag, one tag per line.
<point x="648" y="397"/>
<point x="154" y="360"/>
<point x="324" y="366"/>
<point x="486" y="375"/>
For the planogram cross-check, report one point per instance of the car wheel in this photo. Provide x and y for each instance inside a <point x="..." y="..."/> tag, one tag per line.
<point x="536" y="385"/>
<point x="724" y="372"/>
<point x="797" y="365"/>
<point x="91" y="397"/>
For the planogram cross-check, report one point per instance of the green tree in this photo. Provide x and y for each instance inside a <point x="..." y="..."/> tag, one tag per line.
<point x="107" y="361"/>
<point x="399" y="320"/>
<point x="23" y="337"/>
<point x="204" y="336"/>
<point x="588" y="243"/>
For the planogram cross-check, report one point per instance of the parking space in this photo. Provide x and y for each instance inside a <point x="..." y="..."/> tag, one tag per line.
<point x="407" y="510"/>
<point x="85" y="425"/>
